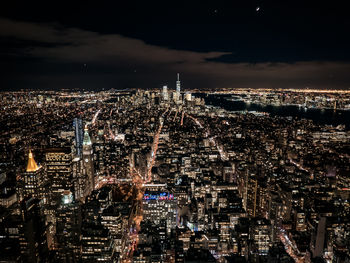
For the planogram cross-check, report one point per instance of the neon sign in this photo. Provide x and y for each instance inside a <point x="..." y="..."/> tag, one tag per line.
<point x="158" y="196"/>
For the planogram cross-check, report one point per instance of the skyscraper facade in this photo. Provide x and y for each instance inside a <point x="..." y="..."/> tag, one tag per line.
<point x="88" y="166"/>
<point x="79" y="135"/>
<point x="33" y="244"/>
<point x="178" y="89"/>
<point x="178" y="84"/>
<point x="59" y="169"/>
<point x="165" y="93"/>
<point x="159" y="205"/>
<point x="68" y="226"/>
<point x="33" y="179"/>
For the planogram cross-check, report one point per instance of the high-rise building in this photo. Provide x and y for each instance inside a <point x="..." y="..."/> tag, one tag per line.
<point x="188" y="96"/>
<point x="97" y="243"/>
<point x="275" y="214"/>
<point x="33" y="179"/>
<point x="300" y="221"/>
<point x="88" y="166"/>
<point x="59" y="169"/>
<point x="11" y="229"/>
<point x="159" y="205"/>
<point x="260" y="233"/>
<point x="78" y="179"/>
<point x="68" y="228"/>
<point x="178" y="84"/>
<point x="33" y="244"/>
<point x="112" y="219"/>
<point x="256" y="197"/>
<point x="79" y="133"/>
<point x="165" y="93"/>
<point x="318" y="244"/>
<point x="178" y="89"/>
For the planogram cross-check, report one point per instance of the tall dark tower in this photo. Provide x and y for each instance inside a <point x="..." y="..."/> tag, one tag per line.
<point x="78" y="131"/>
<point x="88" y="162"/>
<point x="33" y="244"/>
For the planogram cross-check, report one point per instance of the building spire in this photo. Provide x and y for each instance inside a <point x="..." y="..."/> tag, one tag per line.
<point x="31" y="166"/>
<point x="87" y="140"/>
<point x="178" y="85"/>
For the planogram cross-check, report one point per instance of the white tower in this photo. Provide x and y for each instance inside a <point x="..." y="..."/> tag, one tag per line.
<point x="178" y="84"/>
<point x="178" y="89"/>
<point x="165" y="93"/>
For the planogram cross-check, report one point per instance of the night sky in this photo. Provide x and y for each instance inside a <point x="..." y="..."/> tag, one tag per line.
<point x="143" y="44"/>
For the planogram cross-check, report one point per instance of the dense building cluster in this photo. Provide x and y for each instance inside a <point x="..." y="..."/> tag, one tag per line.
<point x="159" y="176"/>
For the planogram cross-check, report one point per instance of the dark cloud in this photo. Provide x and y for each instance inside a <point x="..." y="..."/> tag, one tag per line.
<point x="112" y="58"/>
<point x="76" y="45"/>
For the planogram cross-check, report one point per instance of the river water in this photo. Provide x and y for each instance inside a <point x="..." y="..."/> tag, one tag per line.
<point x="325" y="116"/>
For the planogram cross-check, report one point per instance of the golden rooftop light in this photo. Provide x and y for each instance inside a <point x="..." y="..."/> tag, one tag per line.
<point x="31" y="166"/>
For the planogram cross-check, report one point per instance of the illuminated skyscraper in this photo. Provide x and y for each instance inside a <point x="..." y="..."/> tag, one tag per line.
<point x="160" y="205"/>
<point x="59" y="169"/>
<point x="260" y="234"/>
<point x="33" y="178"/>
<point x="256" y="201"/>
<point x="31" y="166"/>
<point x="178" y="84"/>
<point x="97" y="243"/>
<point x="300" y="221"/>
<point x="68" y="228"/>
<point x="178" y="89"/>
<point x="165" y="93"/>
<point x="88" y="167"/>
<point x="188" y="96"/>
<point x="79" y="178"/>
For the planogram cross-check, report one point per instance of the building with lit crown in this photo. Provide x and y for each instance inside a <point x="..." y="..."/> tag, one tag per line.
<point x="88" y="162"/>
<point x="32" y="180"/>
